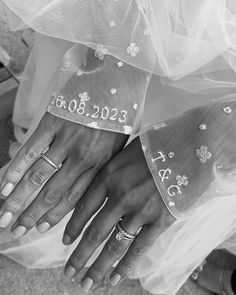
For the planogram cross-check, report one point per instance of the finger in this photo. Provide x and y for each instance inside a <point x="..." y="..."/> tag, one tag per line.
<point x="67" y="203"/>
<point x="113" y="250"/>
<point x="94" y="235"/>
<point x="128" y="264"/>
<point x="31" y="182"/>
<point x="87" y="206"/>
<point x="28" y="154"/>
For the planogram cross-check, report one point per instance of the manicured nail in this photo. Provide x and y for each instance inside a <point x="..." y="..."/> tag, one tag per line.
<point x="18" y="232"/>
<point x="6" y="219"/>
<point x="69" y="271"/>
<point x="115" y="279"/>
<point x="66" y="240"/>
<point x="43" y="227"/>
<point x="8" y="188"/>
<point x="86" y="284"/>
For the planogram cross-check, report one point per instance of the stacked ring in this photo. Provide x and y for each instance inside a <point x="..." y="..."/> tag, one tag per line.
<point x="123" y="234"/>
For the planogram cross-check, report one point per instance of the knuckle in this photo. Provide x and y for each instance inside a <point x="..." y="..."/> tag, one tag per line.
<point x="127" y="269"/>
<point x="82" y="210"/>
<point x="14" y="205"/>
<point x="147" y="207"/>
<point x="108" y="170"/>
<point x="138" y="251"/>
<point x="28" y="220"/>
<point x="37" y="178"/>
<point x="77" y="261"/>
<point x="52" y="198"/>
<point x="114" y="248"/>
<point x="53" y="217"/>
<point x="96" y="273"/>
<point x="31" y="155"/>
<point x="73" y="198"/>
<point x="92" y="235"/>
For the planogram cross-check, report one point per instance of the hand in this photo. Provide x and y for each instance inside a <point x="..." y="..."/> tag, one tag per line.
<point x="132" y="196"/>
<point x="82" y="152"/>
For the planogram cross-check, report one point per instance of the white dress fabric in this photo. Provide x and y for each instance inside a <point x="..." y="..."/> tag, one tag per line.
<point x="189" y="47"/>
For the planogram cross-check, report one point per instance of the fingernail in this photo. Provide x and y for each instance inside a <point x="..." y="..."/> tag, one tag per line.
<point x="115" y="279"/>
<point x="69" y="271"/>
<point x="43" y="227"/>
<point x="66" y="240"/>
<point x="8" y="188"/>
<point x="18" y="232"/>
<point x="86" y="284"/>
<point x="6" y="219"/>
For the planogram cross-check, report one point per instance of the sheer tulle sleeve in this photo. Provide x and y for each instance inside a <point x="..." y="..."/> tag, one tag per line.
<point x="99" y="91"/>
<point x="192" y="157"/>
<point x="193" y="162"/>
<point x="170" y="38"/>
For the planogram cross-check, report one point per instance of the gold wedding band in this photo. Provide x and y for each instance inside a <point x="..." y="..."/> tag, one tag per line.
<point x="50" y="162"/>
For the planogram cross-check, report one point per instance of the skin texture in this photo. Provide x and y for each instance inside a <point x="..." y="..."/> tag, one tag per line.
<point x="127" y="186"/>
<point x="82" y="151"/>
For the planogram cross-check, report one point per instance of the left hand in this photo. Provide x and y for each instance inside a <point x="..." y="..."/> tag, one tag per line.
<point x="132" y="196"/>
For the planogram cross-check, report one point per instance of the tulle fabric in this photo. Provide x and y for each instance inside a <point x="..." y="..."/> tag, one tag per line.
<point x="174" y="37"/>
<point x="191" y="45"/>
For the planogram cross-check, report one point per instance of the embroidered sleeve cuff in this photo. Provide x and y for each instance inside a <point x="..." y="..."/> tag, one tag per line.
<point x="192" y="157"/>
<point x="99" y="91"/>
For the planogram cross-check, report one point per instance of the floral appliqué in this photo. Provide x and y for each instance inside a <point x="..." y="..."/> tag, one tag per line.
<point x="100" y="52"/>
<point x="133" y="49"/>
<point x="203" y="154"/>
<point x="182" y="180"/>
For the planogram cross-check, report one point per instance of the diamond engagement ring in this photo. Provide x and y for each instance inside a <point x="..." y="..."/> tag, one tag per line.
<point x="50" y="162"/>
<point x="122" y="234"/>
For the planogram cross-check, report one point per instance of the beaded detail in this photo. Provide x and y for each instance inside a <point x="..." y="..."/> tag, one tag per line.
<point x="203" y="127"/>
<point x="120" y="64"/>
<point x="227" y="110"/>
<point x="135" y="106"/>
<point x="159" y="125"/>
<point x="171" y="155"/>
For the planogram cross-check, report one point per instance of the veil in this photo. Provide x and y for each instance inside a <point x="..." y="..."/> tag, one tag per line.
<point x="189" y="46"/>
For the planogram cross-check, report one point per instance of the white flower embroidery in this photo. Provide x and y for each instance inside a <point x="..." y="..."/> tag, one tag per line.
<point x="127" y="129"/>
<point x="112" y="24"/>
<point x="100" y="52"/>
<point x="84" y="96"/>
<point x="65" y="66"/>
<point x="133" y="49"/>
<point x="182" y="180"/>
<point x="171" y="204"/>
<point x="203" y="154"/>
<point x="113" y="91"/>
<point x="203" y="127"/>
<point x="93" y="125"/>
<point x="120" y="64"/>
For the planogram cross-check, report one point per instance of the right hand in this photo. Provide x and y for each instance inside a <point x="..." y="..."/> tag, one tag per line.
<point x="81" y="150"/>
